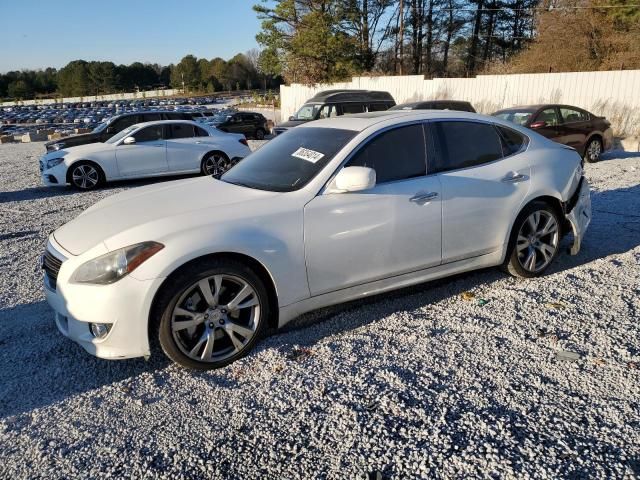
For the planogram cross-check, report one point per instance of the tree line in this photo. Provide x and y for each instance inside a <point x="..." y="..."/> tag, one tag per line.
<point x="81" y="78"/>
<point x="312" y="41"/>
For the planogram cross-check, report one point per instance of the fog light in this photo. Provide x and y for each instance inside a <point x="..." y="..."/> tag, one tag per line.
<point x="100" y="330"/>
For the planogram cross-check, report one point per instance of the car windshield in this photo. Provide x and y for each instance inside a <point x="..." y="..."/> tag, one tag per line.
<point x="307" y="112"/>
<point x="289" y="161"/>
<point x="121" y="135"/>
<point x="100" y="127"/>
<point x="220" y="118"/>
<point x="519" y="117"/>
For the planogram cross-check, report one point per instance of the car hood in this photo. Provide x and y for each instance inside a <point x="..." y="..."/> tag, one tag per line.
<point x="86" y="149"/>
<point x="73" y="140"/>
<point x="292" y="123"/>
<point x="164" y="203"/>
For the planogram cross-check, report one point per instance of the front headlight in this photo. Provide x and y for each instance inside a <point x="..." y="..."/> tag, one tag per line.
<point x="53" y="162"/>
<point x="111" y="267"/>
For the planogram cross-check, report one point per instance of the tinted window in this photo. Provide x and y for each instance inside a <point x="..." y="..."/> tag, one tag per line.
<point x="328" y="111"/>
<point x="394" y="155"/>
<point x="549" y="116"/>
<point x="149" y="134"/>
<point x="150" y="117"/>
<point x="464" y="144"/>
<point x="515" y="116"/>
<point x="378" y="107"/>
<point x="289" y="161"/>
<point x="124" y="122"/>
<point x="352" y="108"/>
<point x="512" y="141"/>
<point x="201" y="132"/>
<point x="180" y="130"/>
<point x="570" y="115"/>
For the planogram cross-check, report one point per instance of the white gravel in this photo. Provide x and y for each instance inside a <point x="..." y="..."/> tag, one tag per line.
<point x="420" y="383"/>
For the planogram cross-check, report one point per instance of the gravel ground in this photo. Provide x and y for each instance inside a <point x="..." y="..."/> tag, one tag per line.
<point x="427" y="382"/>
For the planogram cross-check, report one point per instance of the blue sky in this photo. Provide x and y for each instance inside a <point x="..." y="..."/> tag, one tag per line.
<point x="41" y="33"/>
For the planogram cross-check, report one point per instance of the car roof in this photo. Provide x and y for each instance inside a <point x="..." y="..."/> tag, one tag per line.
<point x="163" y="122"/>
<point x="330" y="96"/>
<point x="361" y="121"/>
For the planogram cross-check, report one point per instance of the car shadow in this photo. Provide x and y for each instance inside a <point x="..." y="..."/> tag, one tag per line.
<point x="618" y="155"/>
<point x="39" y="366"/>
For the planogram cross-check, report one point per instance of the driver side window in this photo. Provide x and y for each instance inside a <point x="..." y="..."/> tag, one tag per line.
<point x="148" y="134"/>
<point x="549" y="115"/>
<point x="397" y="154"/>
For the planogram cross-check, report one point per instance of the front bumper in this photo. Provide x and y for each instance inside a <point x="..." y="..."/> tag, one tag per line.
<point x="579" y="214"/>
<point x="124" y="305"/>
<point x="53" y="177"/>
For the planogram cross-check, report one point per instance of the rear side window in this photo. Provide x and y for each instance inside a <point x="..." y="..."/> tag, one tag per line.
<point x="378" y="107"/>
<point x="571" y="115"/>
<point x="397" y="154"/>
<point x="352" y="108"/>
<point x="124" y="122"/>
<point x="512" y="141"/>
<point x="150" y="117"/>
<point x="201" y="132"/>
<point x="180" y="130"/>
<point x="464" y="144"/>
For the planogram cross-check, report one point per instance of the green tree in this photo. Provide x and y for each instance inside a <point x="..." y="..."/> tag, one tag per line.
<point x="186" y="71"/>
<point x="19" y="89"/>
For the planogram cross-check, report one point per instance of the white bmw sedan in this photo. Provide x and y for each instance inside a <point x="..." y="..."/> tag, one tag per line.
<point x="330" y="211"/>
<point x="150" y="149"/>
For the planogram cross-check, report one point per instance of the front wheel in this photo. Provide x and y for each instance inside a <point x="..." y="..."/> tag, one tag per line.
<point x="593" y="151"/>
<point x="85" y="176"/>
<point x="215" y="163"/>
<point x="259" y="134"/>
<point x="214" y="314"/>
<point x="534" y="242"/>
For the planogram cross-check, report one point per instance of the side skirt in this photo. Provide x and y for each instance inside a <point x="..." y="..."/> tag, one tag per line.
<point x="294" y="310"/>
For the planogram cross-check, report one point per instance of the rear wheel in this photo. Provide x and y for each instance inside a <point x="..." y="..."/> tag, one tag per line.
<point x="593" y="151"/>
<point x="85" y="176"/>
<point x="259" y="134"/>
<point x="215" y="163"/>
<point x="213" y="314"/>
<point x="534" y="242"/>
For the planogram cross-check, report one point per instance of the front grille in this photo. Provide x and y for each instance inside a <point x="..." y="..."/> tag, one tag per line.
<point x="51" y="266"/>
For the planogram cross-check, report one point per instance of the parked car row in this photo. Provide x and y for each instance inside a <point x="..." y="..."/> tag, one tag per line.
<point x="332" y="210"/>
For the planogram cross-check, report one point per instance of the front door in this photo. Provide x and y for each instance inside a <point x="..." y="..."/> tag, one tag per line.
<point x="575" y="126"/>
<point x="547" y="124"/>
<point x="484" y="181"/>
<point x="147" y="156"/>
<point x="391" y="229"/>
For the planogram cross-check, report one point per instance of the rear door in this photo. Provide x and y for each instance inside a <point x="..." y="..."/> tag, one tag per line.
<point x="183" y="148"/>
<point x="147" y="156"/>
<point x="484" y="181"/>
<point x="575" y="127"/>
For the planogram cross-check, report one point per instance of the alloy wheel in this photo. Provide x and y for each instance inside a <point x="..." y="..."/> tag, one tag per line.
<point x="594" y="150"/>
<point x="537" y="241"/>
<point x="85" y="176"/>
<point x="215" y="318"/>
<point x="216" y="165"/>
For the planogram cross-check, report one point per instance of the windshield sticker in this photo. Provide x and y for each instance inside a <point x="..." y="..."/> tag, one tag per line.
<point x="308" y="155"/>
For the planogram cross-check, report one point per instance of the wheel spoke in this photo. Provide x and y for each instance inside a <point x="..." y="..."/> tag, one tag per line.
<point x="208" y="348"/>
<point x="196" y="348"/>
<point x="522" y="242"/>
<point x="534" y="220"/>
<point x="184" y="324"/>
<point x="530" y="262"/>
<point x="237" y="343"/>
<point x="242" y="294"/>
<point x="217" y="283"/>
<point x="549" y="227"/>
<point x="205" y="289"/>
<point x="546" y="251"/>
<point x="244" y="331"/>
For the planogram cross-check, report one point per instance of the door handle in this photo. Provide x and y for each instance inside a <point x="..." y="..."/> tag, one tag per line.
<point x="198" y="142"/>
<point x="423" y="197"/>
<point x="514" y="177"/>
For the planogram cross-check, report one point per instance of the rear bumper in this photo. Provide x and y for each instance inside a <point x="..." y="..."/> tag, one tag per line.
<point x="607" y="140"/>
<point x="579" y="214"/>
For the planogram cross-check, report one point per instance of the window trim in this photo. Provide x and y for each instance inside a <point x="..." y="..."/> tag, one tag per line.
<point x="368" y="140"/>
<point x="168" y="130"/>
<point x="491" y="124"/>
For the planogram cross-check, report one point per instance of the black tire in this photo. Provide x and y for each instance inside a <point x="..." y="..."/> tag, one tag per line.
<point x="215" y="164"/>
<point x="175" y="344"/>
<point x="516" y="259"/>
<point x="593" y="150"/>
<point x="85" y="176"/>
<point x="259" y="135"/>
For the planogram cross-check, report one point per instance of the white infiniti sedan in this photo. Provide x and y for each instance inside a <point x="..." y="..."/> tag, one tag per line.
<point x="150" y="149"/>
<point x="330" y="211"/>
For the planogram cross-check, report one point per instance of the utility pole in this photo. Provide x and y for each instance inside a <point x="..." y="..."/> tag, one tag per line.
<point x="182" y="77"/>
<point x="401" y="33"/>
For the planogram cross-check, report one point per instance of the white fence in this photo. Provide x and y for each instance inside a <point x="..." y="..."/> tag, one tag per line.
<point x="99" y="98"/>
<point x="614" y="94"/>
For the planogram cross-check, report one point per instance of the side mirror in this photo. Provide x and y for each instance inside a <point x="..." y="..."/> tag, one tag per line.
<point x="291" y="118"/>
<point x="129" y="141"/>
<point x="355" y="179"/>
<point x="541" y="124"/>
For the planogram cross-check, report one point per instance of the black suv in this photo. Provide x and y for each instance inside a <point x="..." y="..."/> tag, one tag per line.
<point x="108" y="129"/>
<point x="457" y="105"/>
<point x="333" y="103"/>
<point x="251" y="124"/>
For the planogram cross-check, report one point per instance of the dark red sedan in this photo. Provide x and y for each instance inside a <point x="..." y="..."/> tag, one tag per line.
<point x="589" y="134"/>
